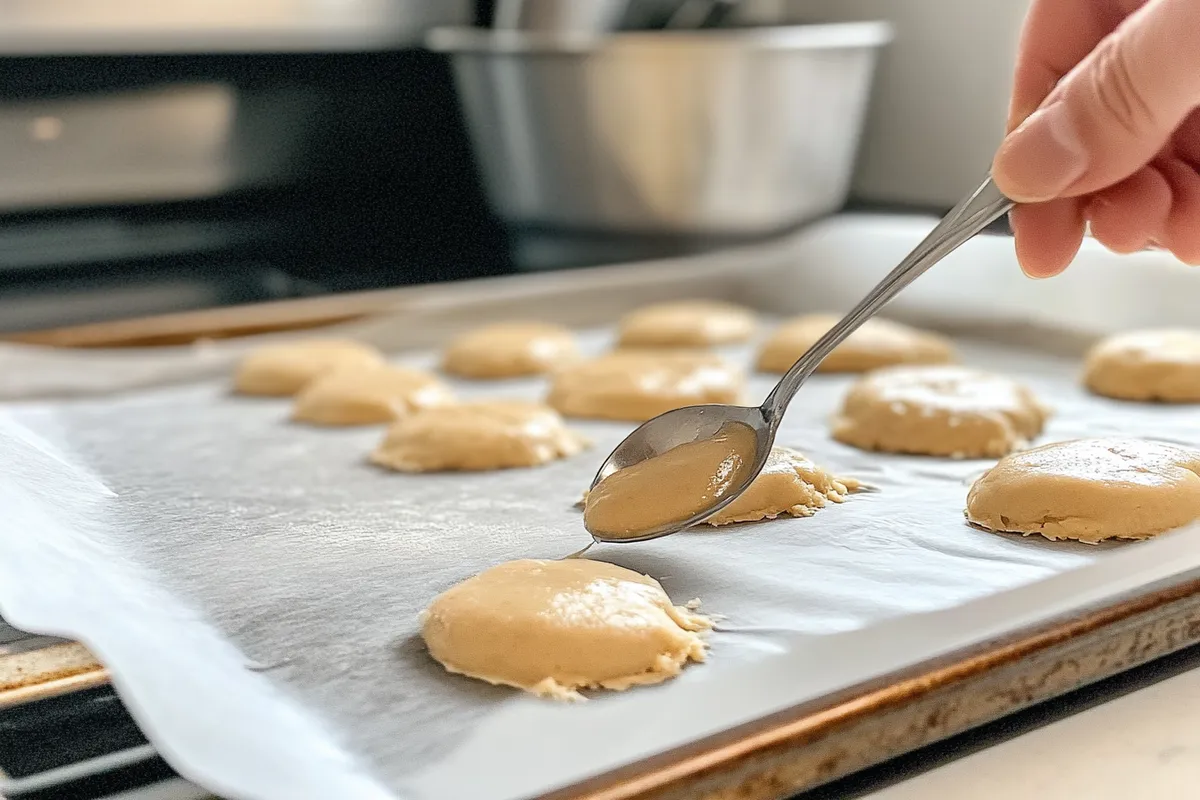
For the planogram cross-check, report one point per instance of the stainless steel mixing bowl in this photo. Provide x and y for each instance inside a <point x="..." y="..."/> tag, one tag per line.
<point x="722" y="132"/>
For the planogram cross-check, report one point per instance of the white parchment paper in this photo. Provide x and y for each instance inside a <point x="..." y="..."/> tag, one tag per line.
<point x="254" y="585"/>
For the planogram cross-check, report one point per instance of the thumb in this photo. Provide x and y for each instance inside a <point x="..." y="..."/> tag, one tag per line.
<point x="1112" y="113"/>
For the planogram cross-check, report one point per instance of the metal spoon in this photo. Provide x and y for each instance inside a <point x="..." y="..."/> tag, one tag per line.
<point x="695" y="423"/>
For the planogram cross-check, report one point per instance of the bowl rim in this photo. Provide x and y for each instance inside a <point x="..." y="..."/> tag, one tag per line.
<point x="817" y="36"/>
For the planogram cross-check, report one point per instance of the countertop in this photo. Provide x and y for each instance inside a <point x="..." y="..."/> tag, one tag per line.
<point x="1145" y="745"/>
<point x="1132" y="736"/>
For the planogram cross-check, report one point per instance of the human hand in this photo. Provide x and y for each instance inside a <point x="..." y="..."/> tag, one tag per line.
<point x="1104" y="128"/>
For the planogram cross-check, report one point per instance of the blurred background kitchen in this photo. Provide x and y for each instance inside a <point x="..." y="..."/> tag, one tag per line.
<point x="167" y="156"/>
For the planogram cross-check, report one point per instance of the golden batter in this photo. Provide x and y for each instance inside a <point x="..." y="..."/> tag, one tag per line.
<point x="635" y="385"/>
<point x="1162" y="365"/>
<point x="281" y="370"/>
<point x="1090" y="490"/>
<point x="368" y="395"/>
<point x="498" y="434"/>
<point x="878" y="343"/>
<point x="672" y="487"/>
<point x="686" y="323"/>
<point x="939" y="411"/>
<point x="554" y="627"/>
<point x="788" y="484"/>
<point x="510" y="350"/>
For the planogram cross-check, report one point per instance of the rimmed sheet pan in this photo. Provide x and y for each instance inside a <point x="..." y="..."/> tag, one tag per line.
<point x="817" y="670"/>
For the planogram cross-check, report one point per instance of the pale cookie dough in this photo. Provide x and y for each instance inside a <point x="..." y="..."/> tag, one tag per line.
<point x="499" y="434"/>
<point x="1161" y="365"/>
<point x="672" y="487"/>
<point x="368" y="395"/>
<point x="687" y="323"/>
<point x="635" y="385"/>
<point x="281" y="370"/>
<point x="788" y="484"/>
<point x="554" y="627"/>
<point x="1090" y="490"/>
<point x="509" y="350"/>
<point x="939" y="411"/>
<point x="878" y="343"/>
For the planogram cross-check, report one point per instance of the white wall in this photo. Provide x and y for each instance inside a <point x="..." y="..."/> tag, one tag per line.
<point x="941" y="90"/>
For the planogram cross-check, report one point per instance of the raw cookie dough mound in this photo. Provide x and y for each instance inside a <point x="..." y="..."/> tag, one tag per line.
<point x="509" y="350"/>
<point x="1162" y="365"/>
<point x="939" y="411"/>
<point x="687" y="323"/>
<point x="368" y="395"/>
<point x="789" y="484"/>
<point x="635" y="385"/>
<point x="1090" y="490"/>
<point x="553" y="627"/>
<point x="499" y="434"/>
<point x="878" y="343"/>
<point x="281" y="370"/>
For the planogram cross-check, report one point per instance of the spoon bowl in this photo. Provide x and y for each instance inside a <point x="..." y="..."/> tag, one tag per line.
<point x="683" y="426"/>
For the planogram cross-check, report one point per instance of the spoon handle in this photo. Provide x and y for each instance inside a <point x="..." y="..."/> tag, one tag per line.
<point x="974" y="213"/>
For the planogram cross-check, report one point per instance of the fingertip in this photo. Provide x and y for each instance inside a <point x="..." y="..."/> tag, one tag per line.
<point x="1036" y="266"/>
<point x="1042" y="158"/>
<point x="1048" y="236"/>
<point x="1009" y="185"/>
<point x="1040" y="272"/>
<point x="1126" y="217"/>
<point x="1182" y="235"/>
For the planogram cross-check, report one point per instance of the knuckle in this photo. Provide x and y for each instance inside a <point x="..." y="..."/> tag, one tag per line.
<point x="1119" y="94"/>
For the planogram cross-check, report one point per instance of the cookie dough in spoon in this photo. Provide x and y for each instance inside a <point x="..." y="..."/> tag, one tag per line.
<point x="789" y="484"/>
<point x="672" y="487"/>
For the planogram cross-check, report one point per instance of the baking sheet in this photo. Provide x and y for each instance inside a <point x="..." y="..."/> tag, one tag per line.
<point x="254" y="585"/>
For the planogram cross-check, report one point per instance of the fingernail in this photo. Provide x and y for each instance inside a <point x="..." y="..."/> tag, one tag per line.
<point x="1040" y="272"/>
<point x="1036" y="276"/>
<point x="1042" y="158"/>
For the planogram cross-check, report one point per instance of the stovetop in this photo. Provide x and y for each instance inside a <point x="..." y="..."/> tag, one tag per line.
<point x="94" y="269"/>
<point x="106" y="265"/>
<point x="77" y="746"/>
